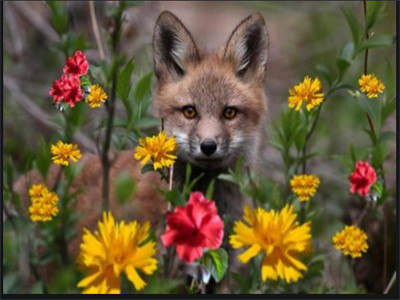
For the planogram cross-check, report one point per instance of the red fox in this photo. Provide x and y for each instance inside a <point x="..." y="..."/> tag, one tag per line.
<point x="213" y="103"/>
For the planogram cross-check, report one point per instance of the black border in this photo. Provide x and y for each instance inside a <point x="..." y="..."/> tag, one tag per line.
<point x="221" y="296"/>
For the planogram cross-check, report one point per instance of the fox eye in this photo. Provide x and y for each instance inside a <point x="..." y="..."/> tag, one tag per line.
<point x="189" y="112"/>
<point x="230" y="113"/>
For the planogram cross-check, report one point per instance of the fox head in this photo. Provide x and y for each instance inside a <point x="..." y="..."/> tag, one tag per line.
<point x="214" y="103"/>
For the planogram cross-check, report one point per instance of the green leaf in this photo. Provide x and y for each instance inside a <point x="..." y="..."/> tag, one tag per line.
<point x="85" y="81"/>
<point x="300" y="137"/>
<point x="59" y="15"/>
<point x="124" y="85"/>
<point x="373" y="108"/>
<point x="347" y="52"/>
<point x="372" y="136"/>
<point x="210" y="189"/>
<point x="143" y="87"/>
<point x="173" y="196"/>
<point x="325" y="73"/>
<point x="146" y="168"/>
<point x="353" y="24"/>
<point x="125" y="187"/>
<point x="43" y="158"/>
<point x="219" y="263"/>
<point x="377" y="41"/>
<point x="342" y="66"/>
<point x="345" y="58"/>
<point x="226" y="177"/>
<point x="376" y="11"/>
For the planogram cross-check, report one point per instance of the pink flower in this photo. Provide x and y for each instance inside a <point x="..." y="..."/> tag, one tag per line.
<point x="76" y="65"/>
<point x="193" y="227"/>
<point x="362" y="178"/>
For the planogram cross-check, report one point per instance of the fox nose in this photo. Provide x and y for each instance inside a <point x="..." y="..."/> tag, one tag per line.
<point x="208" y="147"/>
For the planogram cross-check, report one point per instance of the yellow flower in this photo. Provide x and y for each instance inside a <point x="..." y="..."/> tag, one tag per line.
<point x="351" y="241"/>
<point x="309" y="91"/>
<point x="43" y="203"/>
<point x="96" y="96"/>
<point x="304" y="186"/>
<point x="371" y="85"/>
<point x="160" y="149"/>
<point x="62" y="152"/>
<point x="279" y="236"/>
<point x="113" y="249"/>
<point x="37" y="190"/>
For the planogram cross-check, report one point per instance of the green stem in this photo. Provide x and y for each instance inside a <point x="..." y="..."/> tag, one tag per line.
<point x="110" y="106"/>
<point x="381" y="169"/>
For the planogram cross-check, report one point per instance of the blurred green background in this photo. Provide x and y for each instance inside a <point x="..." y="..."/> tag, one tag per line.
<point x="302" y="35"/>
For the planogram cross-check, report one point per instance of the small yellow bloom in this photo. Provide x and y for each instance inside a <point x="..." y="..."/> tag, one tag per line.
<point x="112" y="249"/>
<point x="160" y="149"/>
<point x="37" y="190"/>
<point x="351" y="241"/>
<point x="279" y="236"/>
<point x="304" y="186"/>
<point x="63" y="152"/>
<point x="43" y="203"/>
<point x="309" y="91"/>
<point x="371" y="85"/>
<point x="96" y="96"/>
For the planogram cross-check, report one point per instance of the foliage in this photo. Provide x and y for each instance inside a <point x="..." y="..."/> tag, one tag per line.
<point x="293" y="136"/>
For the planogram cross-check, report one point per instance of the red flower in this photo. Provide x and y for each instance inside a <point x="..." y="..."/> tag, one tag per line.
<point x="194" y="227"/>
<point x="57" y="90"/>
<point x="76" y="65"/>
<point x="68" y="89"/>
<point x="72" y="92"/>
<point x="362" y="178"/>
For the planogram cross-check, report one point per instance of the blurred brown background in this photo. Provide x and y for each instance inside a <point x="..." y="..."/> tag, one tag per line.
<point x="302" y="34"/>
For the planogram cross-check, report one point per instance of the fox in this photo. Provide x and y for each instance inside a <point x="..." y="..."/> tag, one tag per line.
<point x="213" y="102"/>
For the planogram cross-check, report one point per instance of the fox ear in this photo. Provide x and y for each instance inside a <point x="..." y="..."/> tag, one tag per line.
<point x="247" y="47"/>
<point x="173" y="47"/>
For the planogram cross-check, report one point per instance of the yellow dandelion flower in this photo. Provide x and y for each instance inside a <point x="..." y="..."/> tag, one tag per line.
<point x="160" y="149"/>
<point x="371" y="85"/>
<point x="63" y="152"/>
<point x="43" y="203"/>
<point x="304" y="186"/>
<point x="96" y="96"/>
<point x="37" y="190"/>
<point x="309" y="91"/>
<point x="112" y="249"/>
<point x="351" y="241"/>
<point x="279" y="236"/>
